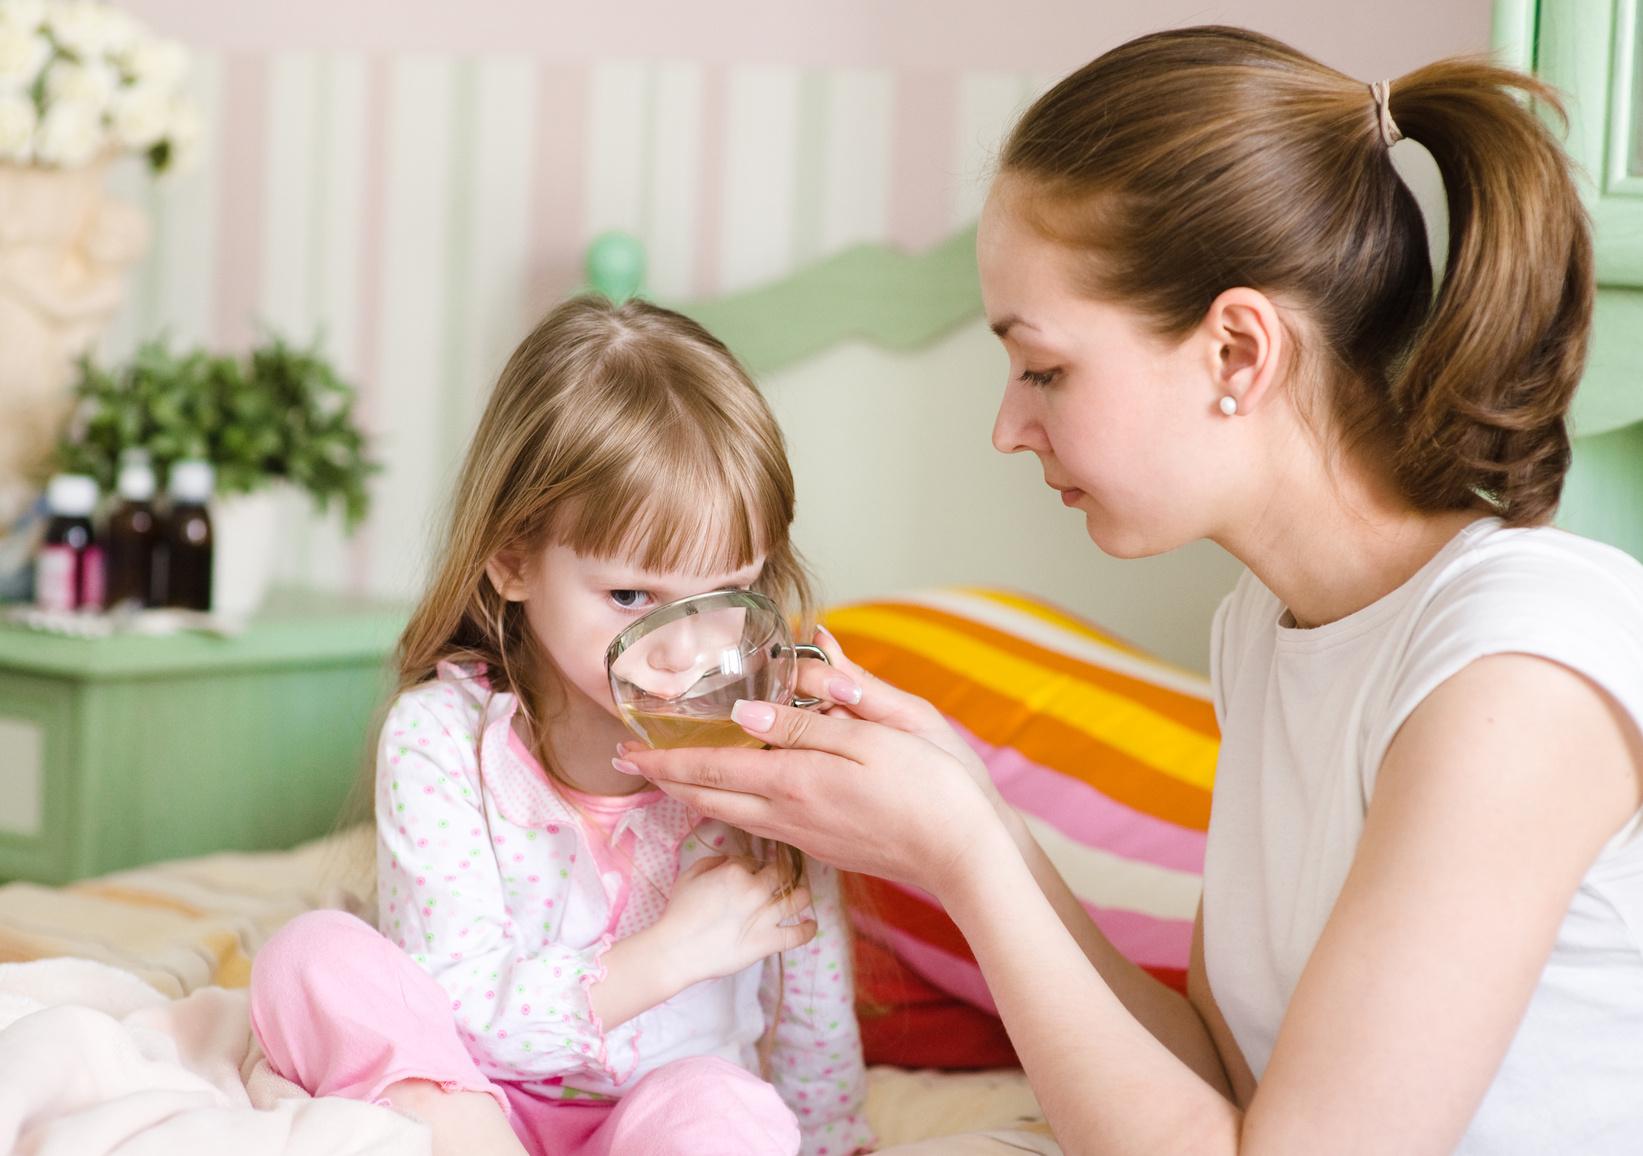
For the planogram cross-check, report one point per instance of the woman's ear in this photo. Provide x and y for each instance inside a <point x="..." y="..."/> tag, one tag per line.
<point x="506" y="571"/>
<point x="1249" y="342"/>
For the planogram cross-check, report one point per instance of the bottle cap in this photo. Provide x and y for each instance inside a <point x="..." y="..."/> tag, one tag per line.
<point x="135" y="482"/>
<point x="191" y="481"/>
<point x="72" y="495"/>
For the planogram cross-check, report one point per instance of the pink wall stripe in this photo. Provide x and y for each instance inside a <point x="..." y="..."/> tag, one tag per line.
<point x="1366" y="39"/>
<point x="244" y="144"/>
<point x="710" y="195"/>
<point x="1084" y="814"/>
<point x="558" y="188"/>
<point x="924" y="166"/>
<point x="372" y="256"/>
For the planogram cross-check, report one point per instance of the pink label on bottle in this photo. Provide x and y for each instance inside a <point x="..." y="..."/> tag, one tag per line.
<point x="93" y="579"/>
<point x="55" y="578"/>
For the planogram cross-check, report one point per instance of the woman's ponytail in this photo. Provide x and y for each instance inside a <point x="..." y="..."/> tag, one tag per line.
<point x="1481" y="398"/>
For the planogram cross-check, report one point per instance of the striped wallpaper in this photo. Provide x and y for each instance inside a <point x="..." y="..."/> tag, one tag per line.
<point x="420" y="210"/>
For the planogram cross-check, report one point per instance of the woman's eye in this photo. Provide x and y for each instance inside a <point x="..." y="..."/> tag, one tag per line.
<point x="1039" y="379"/>
<point x="630" y="599"/>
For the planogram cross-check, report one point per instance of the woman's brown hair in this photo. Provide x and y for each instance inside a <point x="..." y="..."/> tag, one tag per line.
<point x="1189" y="162"/>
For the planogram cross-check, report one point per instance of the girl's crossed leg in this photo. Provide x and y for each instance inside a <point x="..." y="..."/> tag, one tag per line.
<point x="341" y="1011"/>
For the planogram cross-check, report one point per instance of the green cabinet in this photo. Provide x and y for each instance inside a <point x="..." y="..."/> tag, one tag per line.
<point x="1592" y="50"/>
<point x="123" y="750"/>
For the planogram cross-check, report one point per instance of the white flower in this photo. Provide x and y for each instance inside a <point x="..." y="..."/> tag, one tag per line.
<point x="120" y="32"/>
<point x="139" y="116"/>
<point x="92" y="83"/>
<point x="182" y="135"/>
<point x="25" y="14"/>
<point x="71" y="133"/>
<point x="84" y="27"/>
<point x="17" y="120"/>
<point x="22" y="54"/>
<point x="157" y="61"/>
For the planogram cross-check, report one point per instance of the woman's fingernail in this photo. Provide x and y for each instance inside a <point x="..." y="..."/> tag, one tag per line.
<point x="625" y="767"/>
<point x="755" y="716"/>
<point x="843" y="690"/>
<point x="623" y="748"/>
<point x="823" y="632"/>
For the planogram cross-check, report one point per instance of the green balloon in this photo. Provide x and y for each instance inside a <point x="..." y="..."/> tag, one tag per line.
<point x="616" y="265"/>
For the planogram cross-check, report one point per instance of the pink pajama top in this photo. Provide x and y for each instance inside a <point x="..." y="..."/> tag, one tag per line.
<point x="508" y="897"/>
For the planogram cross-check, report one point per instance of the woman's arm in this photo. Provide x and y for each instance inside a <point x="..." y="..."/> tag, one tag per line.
<point x="1492" y="803"/>
<point x="1177" y="1023"/>
<point x="1182" y="1026"/>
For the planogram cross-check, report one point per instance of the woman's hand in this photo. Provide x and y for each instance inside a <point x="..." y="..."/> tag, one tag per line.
<point x="861" y="795"/>
<point x="726" y="913"/>
<point x="854" y="692"/>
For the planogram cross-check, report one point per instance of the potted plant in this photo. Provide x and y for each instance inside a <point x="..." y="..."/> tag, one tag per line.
<point x="280" y="416"/>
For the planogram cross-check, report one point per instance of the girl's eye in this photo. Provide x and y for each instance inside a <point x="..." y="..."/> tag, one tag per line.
<point x="631" y="599"/>
<point x="1039" y="379"/>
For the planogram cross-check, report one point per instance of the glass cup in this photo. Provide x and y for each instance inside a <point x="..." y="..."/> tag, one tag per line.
<point x="676" y="672"/>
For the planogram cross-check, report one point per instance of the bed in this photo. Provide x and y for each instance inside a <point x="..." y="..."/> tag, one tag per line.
<point x="188" y="929"/>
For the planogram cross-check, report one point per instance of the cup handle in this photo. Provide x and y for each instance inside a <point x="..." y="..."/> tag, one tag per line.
<point x="809" y="650"/>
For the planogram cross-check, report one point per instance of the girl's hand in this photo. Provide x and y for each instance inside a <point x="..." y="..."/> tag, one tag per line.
<point x="726" y="913"/>
<point x="861" y="795"/>
<point x="858" y="693"/>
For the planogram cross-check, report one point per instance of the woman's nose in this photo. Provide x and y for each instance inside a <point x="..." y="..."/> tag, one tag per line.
<point x="1014" y="426"/>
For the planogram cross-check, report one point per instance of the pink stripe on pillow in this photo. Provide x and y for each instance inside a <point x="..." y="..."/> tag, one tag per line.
<point x="1084" y="814"/>
<point x="960" y="977"/>
<point x="1143" y="939"/>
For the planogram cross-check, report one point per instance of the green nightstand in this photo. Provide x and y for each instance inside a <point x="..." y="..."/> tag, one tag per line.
<point x="124" y="750"/>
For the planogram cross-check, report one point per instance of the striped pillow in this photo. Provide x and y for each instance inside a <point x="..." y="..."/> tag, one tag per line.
<point x="1108" y="753"/>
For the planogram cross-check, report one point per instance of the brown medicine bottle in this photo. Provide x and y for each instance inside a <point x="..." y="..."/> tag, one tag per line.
<point x="187" y="538"/>
<point x="133" y="532"/>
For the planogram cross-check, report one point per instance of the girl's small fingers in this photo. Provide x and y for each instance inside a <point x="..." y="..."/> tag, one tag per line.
<point x="701" y="867"/>
<point x="795" y="935"/>
<point x="791" y="903"/>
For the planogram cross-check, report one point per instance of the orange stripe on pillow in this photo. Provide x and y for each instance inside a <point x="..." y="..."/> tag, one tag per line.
<point x="1008" y="722"/>
<point x="1194" y="713"/>
<point x="1112" y="716"/>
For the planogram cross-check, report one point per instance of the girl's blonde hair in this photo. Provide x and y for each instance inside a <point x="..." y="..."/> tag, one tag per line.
<point x="619" y="431"/>
<point x="1187" y="162"/>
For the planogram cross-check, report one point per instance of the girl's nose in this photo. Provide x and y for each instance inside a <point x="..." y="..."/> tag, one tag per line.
<point x="676" y="648"/>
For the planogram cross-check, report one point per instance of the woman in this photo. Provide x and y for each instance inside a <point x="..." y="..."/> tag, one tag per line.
<point x="1424" y="881"/>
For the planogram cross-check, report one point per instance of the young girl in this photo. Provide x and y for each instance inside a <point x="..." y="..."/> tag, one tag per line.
<point x="564" y="949"/>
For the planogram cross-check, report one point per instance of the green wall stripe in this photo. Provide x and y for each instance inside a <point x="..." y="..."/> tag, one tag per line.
<point x="454" y="392"/>
<point x="810" y="168"/>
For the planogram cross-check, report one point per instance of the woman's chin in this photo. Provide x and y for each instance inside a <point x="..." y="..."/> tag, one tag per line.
<point x="1125" y="542"/>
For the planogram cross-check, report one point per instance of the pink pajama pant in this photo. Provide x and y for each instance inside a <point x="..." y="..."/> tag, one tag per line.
<point x="341" y="1011"/>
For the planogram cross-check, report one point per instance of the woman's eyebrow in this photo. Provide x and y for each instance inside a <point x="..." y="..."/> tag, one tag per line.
<point x="1004" y="325"/>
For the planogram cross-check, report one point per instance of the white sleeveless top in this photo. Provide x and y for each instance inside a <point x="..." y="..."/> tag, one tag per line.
<point x="1306" y="718"/>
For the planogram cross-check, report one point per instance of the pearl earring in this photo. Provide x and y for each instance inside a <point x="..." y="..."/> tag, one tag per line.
<point x="1229" y="405"/>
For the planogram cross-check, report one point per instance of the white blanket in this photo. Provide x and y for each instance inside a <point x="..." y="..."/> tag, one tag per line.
<point x="93" y="1061"/>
